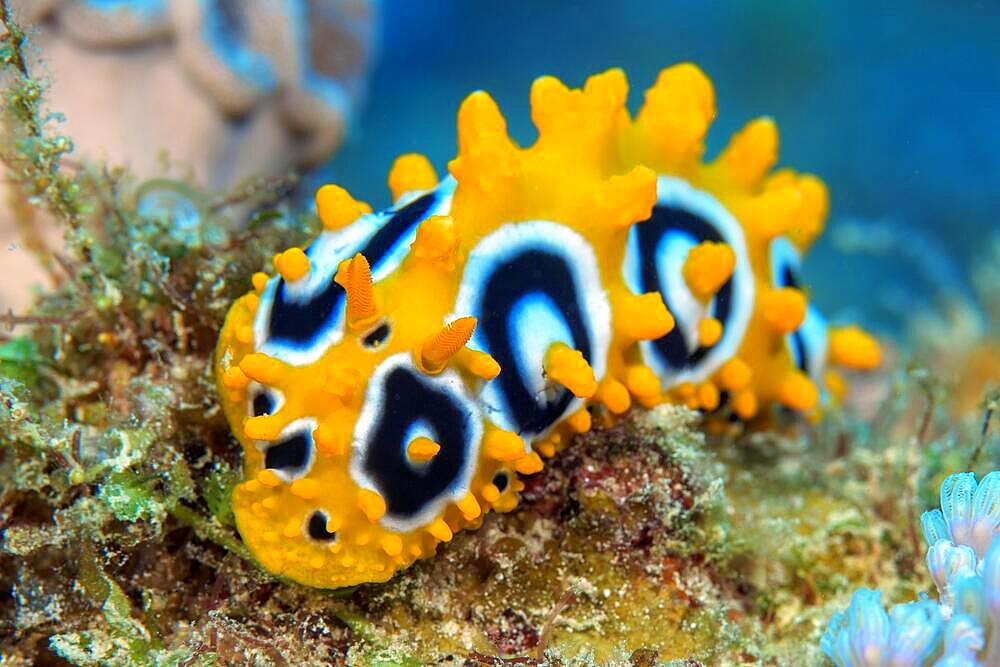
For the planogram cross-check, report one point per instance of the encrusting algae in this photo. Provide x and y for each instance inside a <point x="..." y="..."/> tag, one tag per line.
<point x="666" y="535"/>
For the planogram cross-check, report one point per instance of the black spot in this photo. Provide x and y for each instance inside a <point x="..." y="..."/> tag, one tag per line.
<point x="377" y="336"/>
<point x="534" y="271"/>
<point x="263" y="404"/>
<point x="300" y="323"/>
<point x="500" y="480"/>
<point x="317" y="527"/>
<point x="672" y="348"/>
<point x="290" y="455"/>
<point x="409" y="398"/>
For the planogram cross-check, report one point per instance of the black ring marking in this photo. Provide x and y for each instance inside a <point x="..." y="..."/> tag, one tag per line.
<point x="263" y="404"/>
<point x="500" y="480"/>
<point x="290" y="455"/>
<point x="407" y="398"/>
<point x="300" y="323"/>
<point x="533" y="271"/>
<point x="377" y="336"/>
<point x="672" y="348"/>
<point x="317" y="527"/>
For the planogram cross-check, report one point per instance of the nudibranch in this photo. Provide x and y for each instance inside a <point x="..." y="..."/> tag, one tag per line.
<point x="391" y="382"/>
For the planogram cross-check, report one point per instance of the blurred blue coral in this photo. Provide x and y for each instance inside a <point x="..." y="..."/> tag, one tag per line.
<point x="866" y="635"/>
<point x="963" y="627"/>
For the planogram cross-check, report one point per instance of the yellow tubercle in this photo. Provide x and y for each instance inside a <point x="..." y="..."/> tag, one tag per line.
<point x="437" y="240"/>
<point x="245" y="334"/>
<point x="292" y="529"/>
<point x="798" y="392"/>
<point x="614" y="396"/>
<point x="259" y="281"/>
<point x="343" y="382"/>
<point x="440" y="530"/>
<point x="251" y="301"/>
<point x="708" y="397"/>
<point x="305" y="488"/>
<point x="784" y="308"/>
<point x="421" y="449"/>
<point x="234" y="378"/>
<point x="490" y="493"/>
<point x="707" y="267"/>
<point x="734" y="375"/>
<point x="809" y="218"/>
<point x="642" y="382"/>
<point x="327" y="441"/>
<point x="627" y="199"/>
<point x="569" y="368"/>
<point x="410" y="172"/>
<point x="709" y="331"/>
<point x="479" y="363"/>
<point x="503" y="445"/>
<point x="372" y="504"/>
<point x="487" y="159"/>
<point x="579" y="421"/>
<point x="549" y="103"/>
<point x="745" y="404"/>
<point x="392" y="545"/>
<point x="773" y="212"/>
<point x="529" y="464"/>
<point x="268" y="478"/>
<point x="264" y="427"/>
<point x="675" y="117"/>
<point x="644" y="317"/>
<point x="854" y="349"/>
<point x="336" y="208"/>
<point x="577" y="120"/>
<point x="293" y="264"/>
<point x="260" y="367"/>
<point x="751" y="152"/>
<point x="469" y="507"/>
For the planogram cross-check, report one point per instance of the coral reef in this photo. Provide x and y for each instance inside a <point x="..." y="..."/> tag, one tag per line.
<point x="963" y="627"/>
<point x="305" y="60"/>
<point x="226" y="91"/>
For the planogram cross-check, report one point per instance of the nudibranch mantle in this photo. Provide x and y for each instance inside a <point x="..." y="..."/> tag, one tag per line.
<point x="391" y="382"/>
<point x="657" y="248"/>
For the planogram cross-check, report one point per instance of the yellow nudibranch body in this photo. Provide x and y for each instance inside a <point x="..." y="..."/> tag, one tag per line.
<point x="391" y="382"/>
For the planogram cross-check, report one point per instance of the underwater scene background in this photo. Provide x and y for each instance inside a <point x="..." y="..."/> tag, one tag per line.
<point x="210" y="345"/>
<point x="893" y="104"/>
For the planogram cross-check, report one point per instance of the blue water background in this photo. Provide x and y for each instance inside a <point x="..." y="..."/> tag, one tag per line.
<point x="896" y="105"/>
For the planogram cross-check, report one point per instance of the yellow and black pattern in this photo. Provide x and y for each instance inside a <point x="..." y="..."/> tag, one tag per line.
<point x="391" y="381"/>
